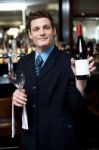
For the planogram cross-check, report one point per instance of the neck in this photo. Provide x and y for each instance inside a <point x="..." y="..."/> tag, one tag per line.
<point x="43" y="48"/>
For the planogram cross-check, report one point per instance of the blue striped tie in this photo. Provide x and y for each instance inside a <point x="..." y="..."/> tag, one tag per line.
<point x="38" y="64"/>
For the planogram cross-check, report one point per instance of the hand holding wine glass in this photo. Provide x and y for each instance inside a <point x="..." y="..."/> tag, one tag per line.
<point x="18" y="79"/>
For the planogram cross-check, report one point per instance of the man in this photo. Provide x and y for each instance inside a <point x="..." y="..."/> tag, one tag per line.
<point x="51" y="95"/>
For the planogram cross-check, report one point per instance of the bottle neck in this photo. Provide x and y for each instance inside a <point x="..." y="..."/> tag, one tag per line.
<point x="79" y="30"/>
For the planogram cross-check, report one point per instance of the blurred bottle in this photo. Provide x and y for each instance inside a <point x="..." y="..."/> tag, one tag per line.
<point x="14" y="46"/>
<point x="90" y="48"/>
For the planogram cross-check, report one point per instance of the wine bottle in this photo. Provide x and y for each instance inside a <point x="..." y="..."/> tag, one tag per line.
<point x="81" y="56"/>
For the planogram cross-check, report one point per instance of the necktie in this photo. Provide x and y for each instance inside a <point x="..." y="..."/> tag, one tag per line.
<point x="38" y="64"/>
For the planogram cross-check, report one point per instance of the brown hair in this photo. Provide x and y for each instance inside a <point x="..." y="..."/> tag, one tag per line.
<point x="39" y="14"/>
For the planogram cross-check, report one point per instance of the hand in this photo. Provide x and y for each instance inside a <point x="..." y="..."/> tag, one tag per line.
<point x="19" y="98"/>
<point x="91" y="64"/>
<point x="81" y="84"/>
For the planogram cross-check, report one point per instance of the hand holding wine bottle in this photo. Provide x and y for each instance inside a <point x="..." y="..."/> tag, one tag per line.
<point x="82" y="65"/>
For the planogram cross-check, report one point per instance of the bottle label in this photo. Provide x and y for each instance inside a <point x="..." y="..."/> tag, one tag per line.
<point x="82" y="67"/>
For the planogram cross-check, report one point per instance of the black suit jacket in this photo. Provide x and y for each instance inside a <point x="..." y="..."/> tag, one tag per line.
<point x="52" y="99"/>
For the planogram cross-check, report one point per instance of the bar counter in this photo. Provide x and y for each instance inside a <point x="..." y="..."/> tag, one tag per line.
<point x="6" y="87"/>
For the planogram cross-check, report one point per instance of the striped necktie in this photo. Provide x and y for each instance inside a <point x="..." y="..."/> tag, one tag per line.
<point x="38" y="64"/>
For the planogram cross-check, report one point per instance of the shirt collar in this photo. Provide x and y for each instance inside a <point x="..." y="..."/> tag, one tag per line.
<point x="44" y="54"/>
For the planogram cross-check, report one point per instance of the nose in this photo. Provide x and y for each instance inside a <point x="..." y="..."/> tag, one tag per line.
<point x="42" y="31"/>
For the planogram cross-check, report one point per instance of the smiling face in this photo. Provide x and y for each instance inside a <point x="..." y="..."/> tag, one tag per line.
<point x="42" y="33"/>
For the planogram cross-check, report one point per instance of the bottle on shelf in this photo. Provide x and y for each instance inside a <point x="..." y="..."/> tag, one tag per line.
<point x="81" y="56"/>
<point x="90" y="48"/>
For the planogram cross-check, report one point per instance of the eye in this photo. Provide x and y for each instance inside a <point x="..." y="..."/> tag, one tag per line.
<point x="35" y="29"/>
<point x="47" y="27"/>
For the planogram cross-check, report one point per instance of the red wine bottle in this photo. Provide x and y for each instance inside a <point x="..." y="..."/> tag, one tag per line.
<point x="81" y="61"/>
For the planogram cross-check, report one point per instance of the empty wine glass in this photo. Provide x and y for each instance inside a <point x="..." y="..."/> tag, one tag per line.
<point x="18" y="79"/>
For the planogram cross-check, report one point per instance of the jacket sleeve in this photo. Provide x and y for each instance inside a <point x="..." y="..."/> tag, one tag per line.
<point x="75" y="99"/>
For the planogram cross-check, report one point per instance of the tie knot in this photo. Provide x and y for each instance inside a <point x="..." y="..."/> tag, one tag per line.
<point x="38" y="64"/>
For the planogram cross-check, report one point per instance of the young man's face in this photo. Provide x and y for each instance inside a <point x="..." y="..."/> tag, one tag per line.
<point x="42" y="33"/>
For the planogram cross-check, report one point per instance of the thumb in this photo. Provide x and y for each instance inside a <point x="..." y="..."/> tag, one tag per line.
<point x="23" y="90"/>
<point x="73" y="65"/>
<point x="72" y="62"/>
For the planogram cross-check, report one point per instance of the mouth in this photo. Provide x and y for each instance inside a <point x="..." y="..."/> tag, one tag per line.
<point x="43" y="38"/>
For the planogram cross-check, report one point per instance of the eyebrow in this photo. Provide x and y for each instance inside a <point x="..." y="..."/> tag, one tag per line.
<point x="43" y="25"/>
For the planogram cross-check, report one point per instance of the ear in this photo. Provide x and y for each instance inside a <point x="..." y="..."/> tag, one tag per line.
<point x="54" y="31"/>
<point x="30" y="35"/>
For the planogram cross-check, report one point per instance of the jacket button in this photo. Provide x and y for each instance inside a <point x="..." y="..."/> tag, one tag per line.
<point x="34" y="106"/>
<point x="34" y="87"/>
<point x="69" y="126"/>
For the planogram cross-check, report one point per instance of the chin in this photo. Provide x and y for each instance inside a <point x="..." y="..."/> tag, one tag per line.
<point x="43" y="47"/>
<point x="44" y="44"/>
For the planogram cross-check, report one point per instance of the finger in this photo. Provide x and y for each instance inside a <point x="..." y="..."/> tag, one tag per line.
<point x="90" y="59"/>
<point x="92" y="69"/>
<point x="22" y="90"/>
<point x="72" y="61"/>
<point x="19" y="97"/>
<point x="18" y="101"/>
<point x="91" y="64"/>
<point x="20" y="93"/>
<point x="17" y="104"/>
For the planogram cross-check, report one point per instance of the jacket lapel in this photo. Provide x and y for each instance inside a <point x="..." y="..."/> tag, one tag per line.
<point x="31" y="67"/>
<point x="52" y="59"/>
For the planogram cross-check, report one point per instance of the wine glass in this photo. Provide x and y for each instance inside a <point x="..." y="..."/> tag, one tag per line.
<point x="18" y="79"/>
